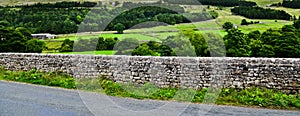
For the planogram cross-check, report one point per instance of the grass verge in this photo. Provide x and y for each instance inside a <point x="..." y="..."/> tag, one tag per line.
<point x="37" y="77"/>
<point x="251" y="97"/>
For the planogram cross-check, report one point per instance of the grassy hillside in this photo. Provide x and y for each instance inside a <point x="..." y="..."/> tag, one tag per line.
<point x="265" y="2"/>
<point x="291" y="11"/>
<point x="14" y="2"/>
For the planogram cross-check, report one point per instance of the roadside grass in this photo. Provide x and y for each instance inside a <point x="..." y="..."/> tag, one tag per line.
<point x="260" y="97"/>
<point x="34" y="76"/>
<point x="250" y="97"/>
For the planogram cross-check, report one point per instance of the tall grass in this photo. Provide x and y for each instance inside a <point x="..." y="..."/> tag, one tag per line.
<point x="261" y="97"/>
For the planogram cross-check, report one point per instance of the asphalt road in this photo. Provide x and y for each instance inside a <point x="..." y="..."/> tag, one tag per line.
<point x="17" y="99"/>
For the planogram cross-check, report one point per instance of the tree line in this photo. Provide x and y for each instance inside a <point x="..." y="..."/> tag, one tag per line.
<point x="260" y="13"/>
<point x="288" y="4"/>
<point x="226" y="3"/>
<point x="88" y="44"/>
<point x="63" y="4"/>
<point x="43" y="18"/>
<point x="19" y="40"/>
<point x="283" y="43"/>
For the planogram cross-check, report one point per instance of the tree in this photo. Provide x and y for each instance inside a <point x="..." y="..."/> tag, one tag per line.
<point x="25" y="32"/>
<point x="198" y="42"/>
<point x="19" y="40"/>
<point x="119" y="27"/>
<point x="144" y="50"/>
<point x="4" y="23"/>
<point x="126" y="46"/>
<point x="297" y="24"/>
<point x="287" y="46"/>
<point x="101" y="44"/>
<point x="288" y="28"/>
<point x="255" y="35"/>
<point x="244" y="22"/>
<point x="35" y="46"/>
<point x="227" y="26"/>
<point x="12" y="40"/>
<point x="165" y="50"/>
<point x="237" y="44"/>
<point x="67" y="46"/>
<point x="215" y="44"/>
<point x="181" y="45"/>
<point x="110" y="43"/>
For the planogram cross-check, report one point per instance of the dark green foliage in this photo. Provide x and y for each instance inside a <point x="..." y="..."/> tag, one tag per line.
<point x="153" y="49"/>
<point x="285" y="42"/>
<point x="227" y="26"/>
<point x="35" y="46"/>
<point x="142" y="14"/>
<point x="297" y="24"/>
<point x="126" y="46"/>
<point x="67" y="46"/>
<point x="119" y="27"/>
<point x="291" y="3"/>
<point x="19" y="40"/>
<point x="213" y="14"/>
<point x="91" y="44"/>
<point x="227" y="3"/>
<point x="63" y="4"/>
<point x="71" y="15"/>
<point x="260" y="13"/>
<point x="276" y="4"/>
<point x="244" y="22"/>
<point x="4" y="24"/>
<point x="237" y="44"/>
<point x="251" y="97"/>
<point x="12" y="40"/>
<point x="110" y="43"/>
<point x="144" y="50"/>
<point x="88" y="44"/>
<point x="181" y="45"/>
<point x="198" y="41"/>
<point x="215" y="44"/>
<point x="282" y="43"/>
<point x="36" y="77"/>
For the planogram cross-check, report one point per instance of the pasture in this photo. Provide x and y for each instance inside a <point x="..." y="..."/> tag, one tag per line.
<point x="104" y="52"/>
<point x="160" y="33"/>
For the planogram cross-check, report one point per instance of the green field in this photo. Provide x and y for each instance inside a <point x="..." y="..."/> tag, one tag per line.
<point x="104" y="52"/>
<point x="265" y="2"/>
<point x="143" y="37"/>
<point x="291" y="11"/>
<point x="13" y="2"/>
<point x="160" y="33"/>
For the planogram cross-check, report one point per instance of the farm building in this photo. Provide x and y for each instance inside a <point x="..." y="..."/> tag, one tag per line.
<point x="44" y="36"/>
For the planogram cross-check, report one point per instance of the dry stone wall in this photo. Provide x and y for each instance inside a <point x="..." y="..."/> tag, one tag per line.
<point x="189" y="72"/>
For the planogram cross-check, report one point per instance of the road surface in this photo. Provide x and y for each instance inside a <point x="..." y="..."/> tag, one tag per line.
<point x="18" y="99"/>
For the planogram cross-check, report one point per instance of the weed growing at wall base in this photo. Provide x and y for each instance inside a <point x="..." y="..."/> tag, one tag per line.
<point x="260" y="97"/>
